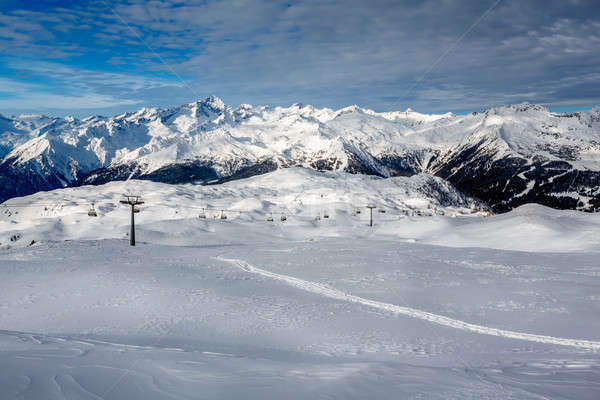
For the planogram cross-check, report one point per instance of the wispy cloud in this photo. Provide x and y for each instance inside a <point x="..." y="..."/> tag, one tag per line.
<point x="331" y="53"/>
<point x="53" y="86"/>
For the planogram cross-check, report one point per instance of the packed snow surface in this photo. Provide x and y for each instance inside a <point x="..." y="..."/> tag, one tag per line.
<point x="421" y="305"/>
<point x="300" y="194"/>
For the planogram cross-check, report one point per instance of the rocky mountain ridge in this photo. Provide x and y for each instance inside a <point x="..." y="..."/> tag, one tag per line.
<point x="505" y="156"/>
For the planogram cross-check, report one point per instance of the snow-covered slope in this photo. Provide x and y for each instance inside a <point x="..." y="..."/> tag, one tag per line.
<point x="417" y="306"/>
<point x="18" y="130"/>
<point x="530" y="227"/>
<point x="524" y="153"/>
<point x="422" y="208"/>
<point x="507" y="155"/>
<point x="301" y="195"/>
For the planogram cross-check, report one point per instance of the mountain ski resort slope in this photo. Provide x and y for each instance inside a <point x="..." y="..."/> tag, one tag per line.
<point x="300" y="253"/>
<point x="505" y="156"/>
<point x="277" y="286"/>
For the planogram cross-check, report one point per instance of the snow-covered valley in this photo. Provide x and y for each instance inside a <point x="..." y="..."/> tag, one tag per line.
<point x="438" y="300"/>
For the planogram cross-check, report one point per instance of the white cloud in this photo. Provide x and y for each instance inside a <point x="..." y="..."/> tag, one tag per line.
<point x="68" y="88"/>
<point x="330" y="53"/>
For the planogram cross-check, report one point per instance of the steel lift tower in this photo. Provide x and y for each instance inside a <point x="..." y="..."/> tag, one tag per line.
<point x="133" y="201"/>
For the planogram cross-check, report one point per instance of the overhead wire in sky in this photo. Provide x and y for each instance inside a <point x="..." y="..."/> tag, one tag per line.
<point x="142" y="41"/>
<point x="446" y="52"/>
<point x="145" y="43"/>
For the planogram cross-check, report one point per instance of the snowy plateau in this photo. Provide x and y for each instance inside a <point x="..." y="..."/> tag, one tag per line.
<point x="256" y="273"/>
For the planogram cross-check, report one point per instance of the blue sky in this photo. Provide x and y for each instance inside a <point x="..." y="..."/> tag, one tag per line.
<point x="108" y="56"/>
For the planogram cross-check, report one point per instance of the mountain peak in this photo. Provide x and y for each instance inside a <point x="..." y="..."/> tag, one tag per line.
<point x="350" y="109"/>
<point x="526" y="106"/>
<point x="214" y="102"/>
<point x="209" y="139"/>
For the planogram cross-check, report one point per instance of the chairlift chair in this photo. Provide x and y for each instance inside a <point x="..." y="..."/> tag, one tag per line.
<point x="92" y="211"/>
<point x="223" y="216"/>
<point x="283" y="218"/>
<point x="270" y="218"/>
<point x="202" y="214"/>
<point x="136" y="210"/>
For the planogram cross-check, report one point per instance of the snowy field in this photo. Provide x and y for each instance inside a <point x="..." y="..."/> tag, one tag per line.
<point x="452" y="306"/>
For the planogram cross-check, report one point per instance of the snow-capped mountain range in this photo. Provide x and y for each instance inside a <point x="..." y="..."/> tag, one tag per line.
<point x="505" y="156"/>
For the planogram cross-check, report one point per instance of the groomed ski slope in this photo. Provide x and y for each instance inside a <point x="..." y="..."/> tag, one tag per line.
<point x="456" y="306"/>
<point x="411" y="312"/>
<point x="97" y="319"/>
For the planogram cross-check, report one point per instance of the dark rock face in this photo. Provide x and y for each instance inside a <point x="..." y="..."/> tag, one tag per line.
<point x="187" y="172"/>
<point x="355" y="166"/>
<point x="15" y="183"/>
<point x="409" y="163"/>
<point x="4" y="150"/>
<point x="326" y="164"/>
<point x="182" y="173"/>
<point x="400" y="166"/>
<point x="506" y="183"/>
<point x="23" y="180"/>
<point x="260" y="168"/>
<point x="104" y="175"/>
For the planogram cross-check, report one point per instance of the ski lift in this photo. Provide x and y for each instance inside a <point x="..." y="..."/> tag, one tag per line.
<point x="202" y="215"/>
<point x="358" y="210"/>
<point x="382" y="211"/>
<point x="318" y="218"/>
<point x="283" y="218"/>
<point x="223" y="216"/>
<point x="92" y="211"/>
<point x="136" y="210"/>
<point x="325" y="215"/>
<point x="270" y="218"/>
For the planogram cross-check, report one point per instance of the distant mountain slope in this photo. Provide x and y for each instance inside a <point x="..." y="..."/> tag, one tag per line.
<point x="505" y="156"/>
<point x="523" y="154"/>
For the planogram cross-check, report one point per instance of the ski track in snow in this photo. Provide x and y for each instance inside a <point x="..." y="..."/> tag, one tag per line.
<point x="411" y="312"/>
